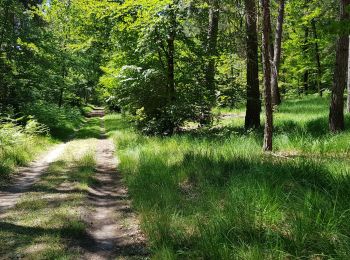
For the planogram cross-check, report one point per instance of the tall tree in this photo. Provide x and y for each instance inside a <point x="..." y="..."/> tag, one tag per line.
<point x="171" y="53"/>
<point x="212" y="37"/>
<point x="305" y="48"/>
<point x="276" y="97"/>
<point x="318" y="58"/>
<point x="253" y="106"/>
<point x="336" y="114"/>
<point x="348" y="87"/>
<point x="266" y="25"/>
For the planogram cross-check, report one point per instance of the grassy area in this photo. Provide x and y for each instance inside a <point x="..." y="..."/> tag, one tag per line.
<point x="19" y="145"/>
<point x="47" y="222"/>
<point x="212" y="194"/>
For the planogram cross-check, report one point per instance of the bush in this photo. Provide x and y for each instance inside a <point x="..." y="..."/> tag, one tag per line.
<point x="144" y="93"/>
<point x="61" y="121"/>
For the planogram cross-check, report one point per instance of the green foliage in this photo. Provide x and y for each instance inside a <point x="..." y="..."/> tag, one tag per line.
<point x="62" y="122"/>
<point x="299" y="46"/>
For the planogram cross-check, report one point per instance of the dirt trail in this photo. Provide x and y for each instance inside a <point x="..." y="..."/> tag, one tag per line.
<point x="114" y="229"/>
<point x="26" y="177"/>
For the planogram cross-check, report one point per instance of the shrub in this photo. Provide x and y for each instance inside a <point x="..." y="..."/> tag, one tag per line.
<point x="61" y="121"/>
<point x="144" y="93"/>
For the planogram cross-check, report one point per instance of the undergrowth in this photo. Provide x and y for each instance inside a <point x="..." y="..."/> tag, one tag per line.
<point x="20" y="144"/>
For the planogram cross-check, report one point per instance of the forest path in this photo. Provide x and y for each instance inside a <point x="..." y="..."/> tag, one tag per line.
<point x="26" y="177"/>
<point x="71" y="204"/>
<point x="113" y="227"/>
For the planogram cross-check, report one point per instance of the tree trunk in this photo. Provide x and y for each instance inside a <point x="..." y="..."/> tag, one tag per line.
<point x="267" y="76"/>
<point x="171" y="54"/>
<point x="336" y="114"/>
<point x="305" y="50"/>
<point x="318" y="59"/>
<point x="253" y="107"/>
<point x="276" y="97"/>
<point x="348" y="98"/>
<point x="212" y="37"/>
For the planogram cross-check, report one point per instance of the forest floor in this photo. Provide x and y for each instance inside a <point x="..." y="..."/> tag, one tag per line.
<point x="211" y="193"/>
<point x="71" y="203"/>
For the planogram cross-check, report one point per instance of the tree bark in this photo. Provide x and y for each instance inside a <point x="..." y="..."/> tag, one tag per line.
<point x="212" y="37"/>
<point x="276" y="97"/>
<point x="336" y="113"/>
<point x="268" y="132"/>
<point x="305" y="50"/>
<point x="253" y="106"/>
<point x="348" y="87"/>
<point x="318" y="59"/>
<point x="171" y="55"/>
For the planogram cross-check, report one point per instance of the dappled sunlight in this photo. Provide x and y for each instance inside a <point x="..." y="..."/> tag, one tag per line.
<point x="213" y="193"/>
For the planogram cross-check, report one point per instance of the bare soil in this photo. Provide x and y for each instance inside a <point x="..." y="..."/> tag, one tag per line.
<point x="113" y="227"/>
<point x="25" y="177"/>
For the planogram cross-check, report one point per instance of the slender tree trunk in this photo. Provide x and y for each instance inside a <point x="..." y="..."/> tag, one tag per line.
<point x="171" y="55"/>
<point x="318" y="59"/>
<point x="213" y="30"/>
<point x="306" y="81"/>
<point x="276" y="97"/>
<point x="336" y="114"/>
<point x="64" y="62"/>
<point x="253" y="107"/>
<point x="5" y="24"/>
<point x="305" y="50"/>
<point x="348" y="98"/>
<point x="171" y="67"/>
<point x="267" y="76"/>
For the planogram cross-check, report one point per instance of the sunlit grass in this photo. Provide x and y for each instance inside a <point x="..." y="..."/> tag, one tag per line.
<point x="20" y="153"/>
<point x="213" y="194"/>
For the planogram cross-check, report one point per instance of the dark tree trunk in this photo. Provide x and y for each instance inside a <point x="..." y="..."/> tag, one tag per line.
<point x="267" y="75"/>
<point x="336" y="114"/>
<point x="276" y="97"/>
<point x="252" y="118"/>
<point x="305" y="50"/>
<point x="348" y="87"/>
<point x="213" y="30"/>
<point x="5" y="25"/>
<point x="171" y="55"/>
<point x="306" y="81"/>
<point x="318" y="59"/>
<point x="171" y="67"/>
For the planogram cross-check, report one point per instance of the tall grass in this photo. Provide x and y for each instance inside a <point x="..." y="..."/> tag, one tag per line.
<point x="19" y="145"/>
<point x="215" y="195"/>
<point x="40" y="125"/>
